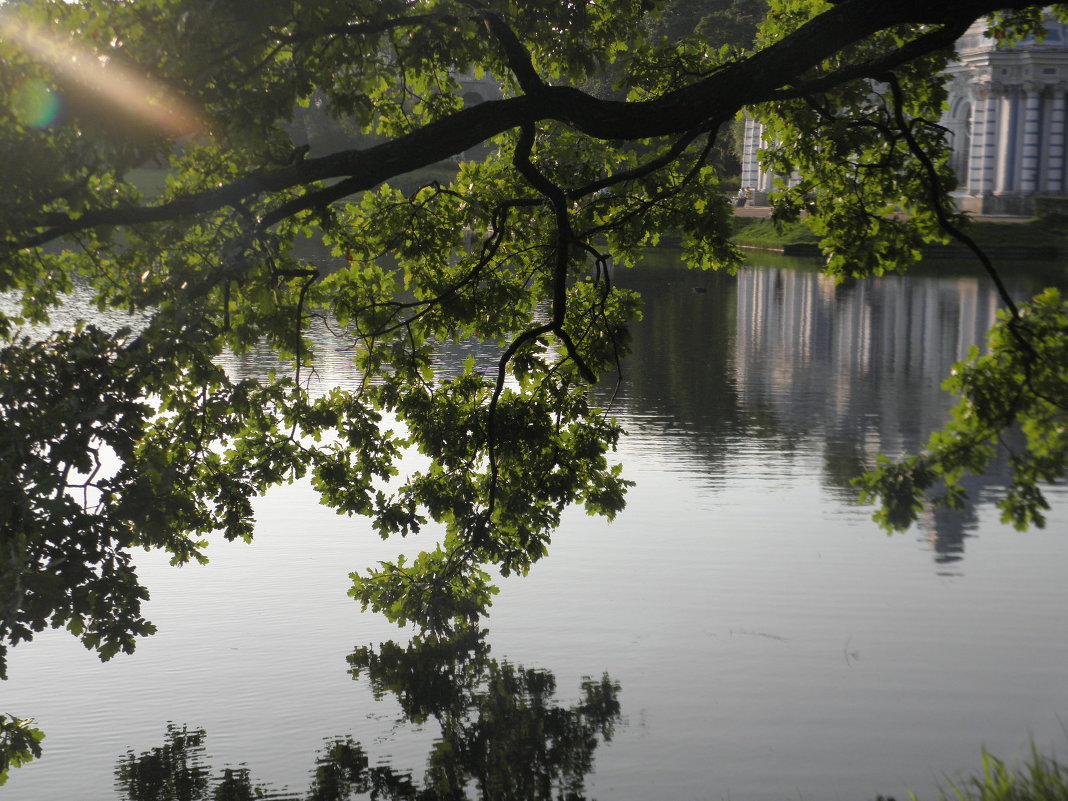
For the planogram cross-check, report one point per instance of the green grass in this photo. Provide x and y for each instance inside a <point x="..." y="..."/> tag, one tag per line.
<point x="1013" y="234"/>
<point x="762" y="233"/>
<point x="1039" y="778"/>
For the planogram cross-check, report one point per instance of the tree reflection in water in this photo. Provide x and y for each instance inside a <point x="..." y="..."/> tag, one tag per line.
<point x="503" y="736"/>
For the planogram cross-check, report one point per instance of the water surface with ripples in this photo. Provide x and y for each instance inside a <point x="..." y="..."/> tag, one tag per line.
<point x="762" y="638"/>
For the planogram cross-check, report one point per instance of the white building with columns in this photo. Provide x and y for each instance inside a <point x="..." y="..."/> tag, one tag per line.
<point x="1006" y="119"/>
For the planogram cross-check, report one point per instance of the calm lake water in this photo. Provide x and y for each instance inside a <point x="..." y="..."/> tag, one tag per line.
<point x="762" y="638"/>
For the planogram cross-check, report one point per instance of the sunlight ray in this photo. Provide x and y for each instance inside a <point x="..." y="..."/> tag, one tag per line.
<point x="118" y="85"/>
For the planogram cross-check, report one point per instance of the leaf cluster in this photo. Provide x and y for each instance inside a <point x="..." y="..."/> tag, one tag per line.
<point x="20" y="743"/>
<point x="1018" y="386"/>
<point x="503" y="734"/>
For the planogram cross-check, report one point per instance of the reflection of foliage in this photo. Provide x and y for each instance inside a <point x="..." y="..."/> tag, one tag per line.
<point x="499" y="727"/>
<point x="235" y="785"/>
<point x="19" y="743"/>
<point x="843" y="460"/>
<point x="501" y="734"/>
<point x="174" y="771"/>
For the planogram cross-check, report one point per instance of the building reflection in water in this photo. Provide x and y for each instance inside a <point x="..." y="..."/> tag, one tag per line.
<point x="780" y="360"/>
<point x="502" y="736"/>
<point x="863" y="362"/>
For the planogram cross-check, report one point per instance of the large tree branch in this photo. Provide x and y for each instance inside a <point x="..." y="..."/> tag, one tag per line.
<point x="929" y="42"/>
<point x="757" y="79"/>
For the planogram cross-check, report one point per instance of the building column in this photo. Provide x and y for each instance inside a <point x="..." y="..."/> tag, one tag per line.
<point x="765" y="183"/>
<point x="988" y="96"/>
<point x="1055" y="152"/>
<point x="753" y="141"/>
<point x="1006" y="142"/>
<point x="977" y="137"/>
<point x="1044" y="144"/>
<point x="1032" y="138"/>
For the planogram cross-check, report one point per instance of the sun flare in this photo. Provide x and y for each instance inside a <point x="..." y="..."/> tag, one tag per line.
<point x="37" y="104"/>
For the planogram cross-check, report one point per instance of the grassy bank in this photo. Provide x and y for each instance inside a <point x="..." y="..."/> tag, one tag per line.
<point x="763" y="233"/>
<point x="1038" y="778"/>
<point x="756" y="232"/>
